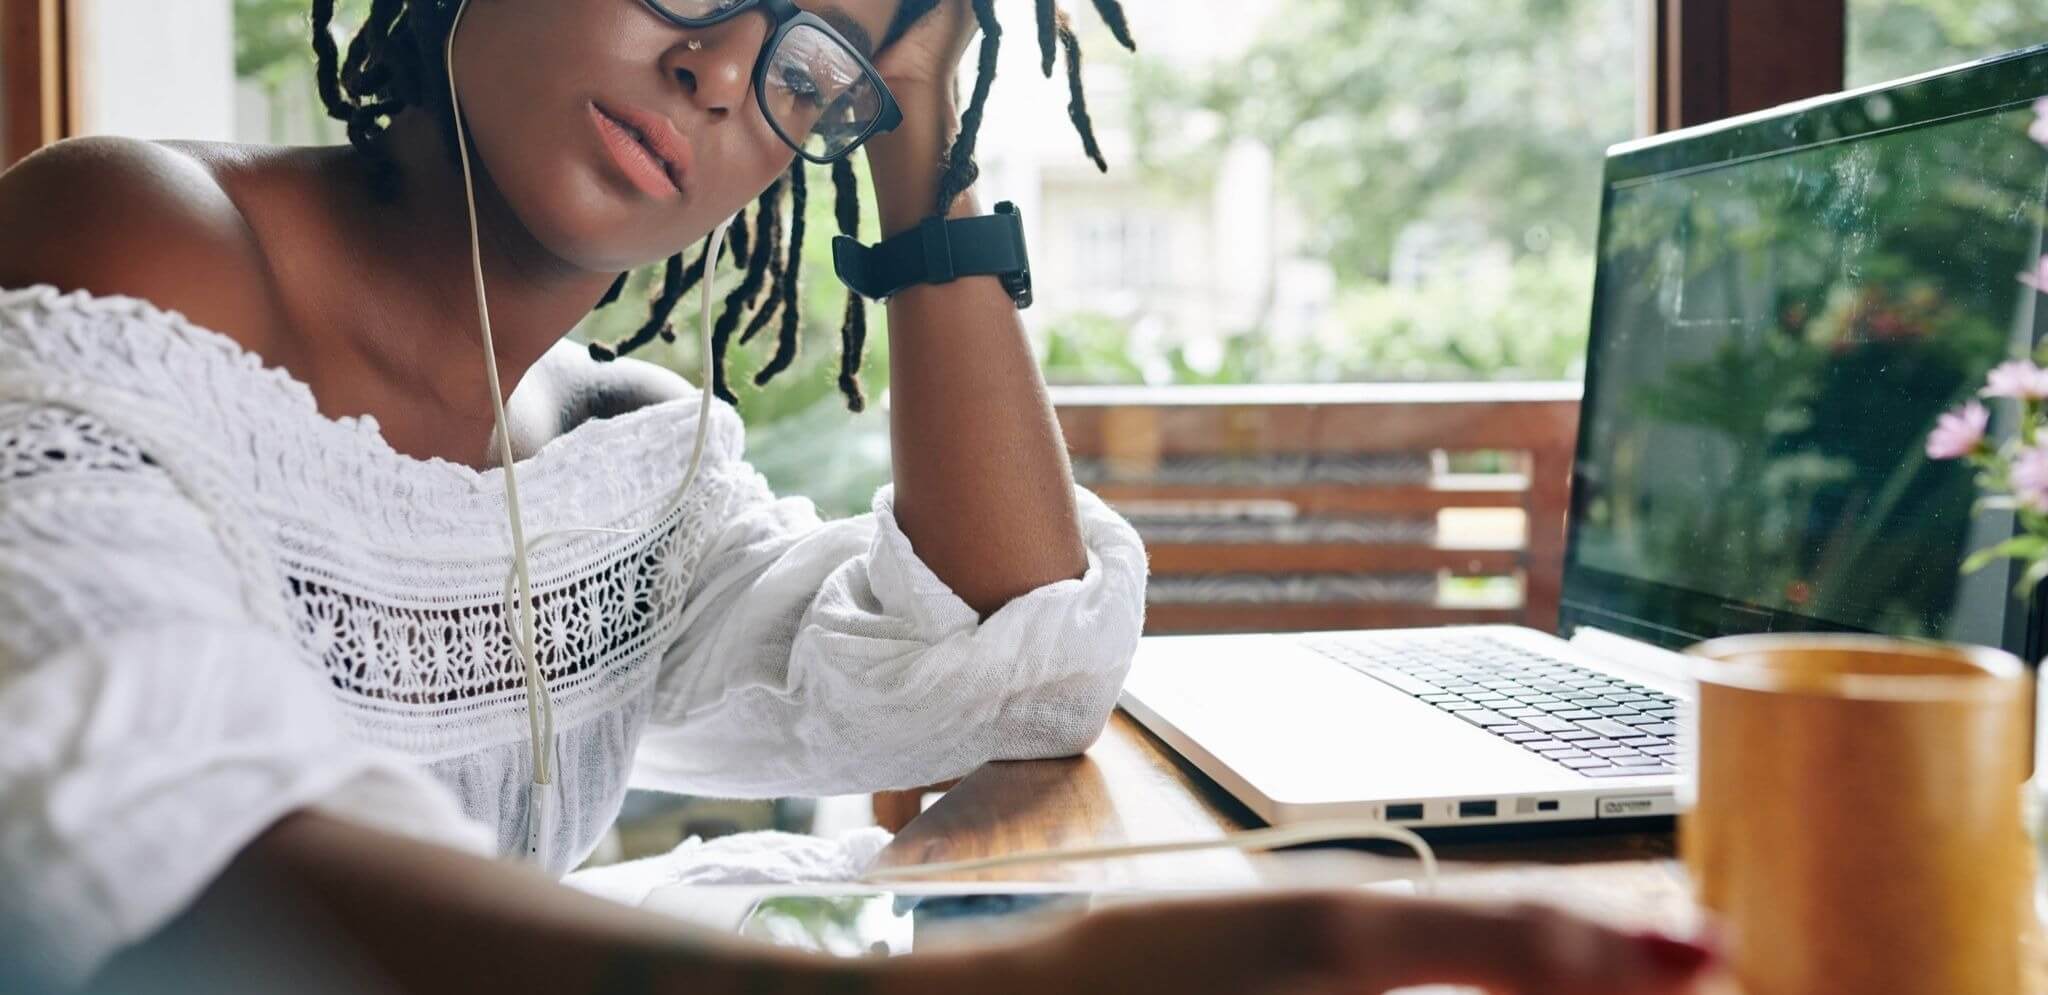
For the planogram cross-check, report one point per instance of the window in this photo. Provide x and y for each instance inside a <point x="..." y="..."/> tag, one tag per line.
<point x="1893" y="38"/>
<point x="154" y="70"/>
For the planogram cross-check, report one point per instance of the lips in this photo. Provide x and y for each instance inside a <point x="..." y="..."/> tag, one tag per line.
<point x="647" y="149"/>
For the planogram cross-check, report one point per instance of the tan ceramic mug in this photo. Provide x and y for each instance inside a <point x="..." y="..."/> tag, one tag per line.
<point x="1853" y="813"/>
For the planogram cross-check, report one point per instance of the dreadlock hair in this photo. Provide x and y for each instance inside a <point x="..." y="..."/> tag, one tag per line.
<point x="786" y="282"/>
<point x="395" y="61"/>
<point x="853" y="332"/>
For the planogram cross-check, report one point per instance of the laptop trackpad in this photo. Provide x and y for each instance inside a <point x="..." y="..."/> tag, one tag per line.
<point x="1303" y="728"/>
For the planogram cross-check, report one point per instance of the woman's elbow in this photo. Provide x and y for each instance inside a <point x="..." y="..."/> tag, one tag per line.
<point x="1106" y="640"/>
<point x="1070" y="654"/>
<point x="1069" y="715"/>
<point x="1081" y="731"/>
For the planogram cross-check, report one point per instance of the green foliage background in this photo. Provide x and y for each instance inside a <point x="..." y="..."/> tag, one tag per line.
<point x="1893" y="38"/>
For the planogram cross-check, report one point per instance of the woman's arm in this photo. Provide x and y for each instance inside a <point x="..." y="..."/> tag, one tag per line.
<point x="983" y="488"/>
<point x="320" y="904"/>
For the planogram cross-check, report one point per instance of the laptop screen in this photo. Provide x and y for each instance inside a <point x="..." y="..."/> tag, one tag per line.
<point x="1783" y="308"/>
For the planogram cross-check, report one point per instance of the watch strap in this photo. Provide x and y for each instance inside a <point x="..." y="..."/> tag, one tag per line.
<point x="939" y="251"/>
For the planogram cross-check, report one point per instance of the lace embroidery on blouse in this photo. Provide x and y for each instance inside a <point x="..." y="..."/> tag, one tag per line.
<point x="382" y="583"/>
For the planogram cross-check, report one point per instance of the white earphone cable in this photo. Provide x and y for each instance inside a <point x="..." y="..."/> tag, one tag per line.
<point x="540" y="707"/>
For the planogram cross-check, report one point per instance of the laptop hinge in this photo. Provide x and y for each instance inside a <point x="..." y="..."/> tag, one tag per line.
<point x="1624" y="653"/>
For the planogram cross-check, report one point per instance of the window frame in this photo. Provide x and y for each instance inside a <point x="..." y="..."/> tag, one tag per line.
<point x="1713" y="59"/>
<point x="36" y="92"/>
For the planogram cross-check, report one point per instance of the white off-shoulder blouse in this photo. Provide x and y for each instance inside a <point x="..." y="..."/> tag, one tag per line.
<point x="218" y="605"/>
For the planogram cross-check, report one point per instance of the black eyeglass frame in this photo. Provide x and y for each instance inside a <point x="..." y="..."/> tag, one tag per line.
<point x="783" y="17"/>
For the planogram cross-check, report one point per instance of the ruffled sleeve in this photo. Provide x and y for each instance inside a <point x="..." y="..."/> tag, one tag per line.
<point x="827" y="658"/>
<point x="153" y="718"/>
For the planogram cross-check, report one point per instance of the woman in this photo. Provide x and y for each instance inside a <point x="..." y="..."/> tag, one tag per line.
<point x="262" y="712"/>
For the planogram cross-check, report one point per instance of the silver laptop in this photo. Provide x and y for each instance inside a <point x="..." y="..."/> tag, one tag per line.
<point x="1783" y="304"/>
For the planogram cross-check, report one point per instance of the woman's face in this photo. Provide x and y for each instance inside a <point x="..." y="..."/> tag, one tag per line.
<point x="545" y="85"/>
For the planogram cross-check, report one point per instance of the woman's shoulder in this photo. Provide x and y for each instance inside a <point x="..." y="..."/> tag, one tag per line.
<point x="131" y="218"/>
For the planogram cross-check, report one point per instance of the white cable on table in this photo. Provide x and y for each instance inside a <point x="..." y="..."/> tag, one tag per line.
<point x="1252" y="840"/>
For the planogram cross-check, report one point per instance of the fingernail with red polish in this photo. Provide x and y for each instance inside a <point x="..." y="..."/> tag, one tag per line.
<point x="1675" y="955"/>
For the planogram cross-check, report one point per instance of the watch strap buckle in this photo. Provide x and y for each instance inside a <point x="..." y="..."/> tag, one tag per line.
<point x="850" y="260"/>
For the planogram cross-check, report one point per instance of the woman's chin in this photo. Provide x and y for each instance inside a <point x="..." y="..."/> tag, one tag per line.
<point x="592" y="220"/>
<point x="604" y="234"/>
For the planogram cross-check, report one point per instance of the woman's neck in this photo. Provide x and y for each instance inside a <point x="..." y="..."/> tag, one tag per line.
<point x="421" y="250"/>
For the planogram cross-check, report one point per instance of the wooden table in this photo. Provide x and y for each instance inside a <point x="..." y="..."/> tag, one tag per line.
<point x="1131" y="788"/>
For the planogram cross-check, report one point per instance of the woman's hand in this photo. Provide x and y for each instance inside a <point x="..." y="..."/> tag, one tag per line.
<point x="1346" y="942"/>
<point x="923" y="62"/>
<point x="919" y="69"/>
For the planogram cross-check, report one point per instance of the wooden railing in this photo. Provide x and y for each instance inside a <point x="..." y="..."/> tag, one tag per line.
<point x="1340" y="506"/>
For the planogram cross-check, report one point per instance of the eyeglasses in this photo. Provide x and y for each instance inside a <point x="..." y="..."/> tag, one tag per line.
<point x="822" y="97"/>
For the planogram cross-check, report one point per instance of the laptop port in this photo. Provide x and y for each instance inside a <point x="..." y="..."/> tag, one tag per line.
<point x="1404" y="813"/>
<point x="1547" y="806"/>
<point x="1475" y="810"/>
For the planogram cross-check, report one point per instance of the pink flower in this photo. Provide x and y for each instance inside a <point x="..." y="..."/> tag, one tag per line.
<point x="2040" y="129"/>
<point x="2037" y="277"/>
<point x="2017" y="379"/>
<point x="2030" y="478"/>
<point x="1958" y="433"/>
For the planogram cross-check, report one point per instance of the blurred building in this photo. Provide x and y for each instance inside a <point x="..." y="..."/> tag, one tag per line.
<point x="1174" y="267"/>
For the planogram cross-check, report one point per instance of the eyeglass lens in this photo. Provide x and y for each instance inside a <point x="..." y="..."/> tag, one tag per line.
<point x="814" y="90"/>
<point x="816" y="93"/>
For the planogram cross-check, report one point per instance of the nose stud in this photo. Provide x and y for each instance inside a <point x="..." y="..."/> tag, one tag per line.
<point x="696" y="45"/>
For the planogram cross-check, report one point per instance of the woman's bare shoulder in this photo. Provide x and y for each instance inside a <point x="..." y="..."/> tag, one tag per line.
<point x="141" y="219"/>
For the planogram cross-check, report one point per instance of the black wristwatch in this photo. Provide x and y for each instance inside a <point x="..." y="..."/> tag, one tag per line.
<point x="940" y="251"/>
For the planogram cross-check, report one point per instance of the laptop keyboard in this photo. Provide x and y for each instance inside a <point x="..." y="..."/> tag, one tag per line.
<point x="1597" y="725"/>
